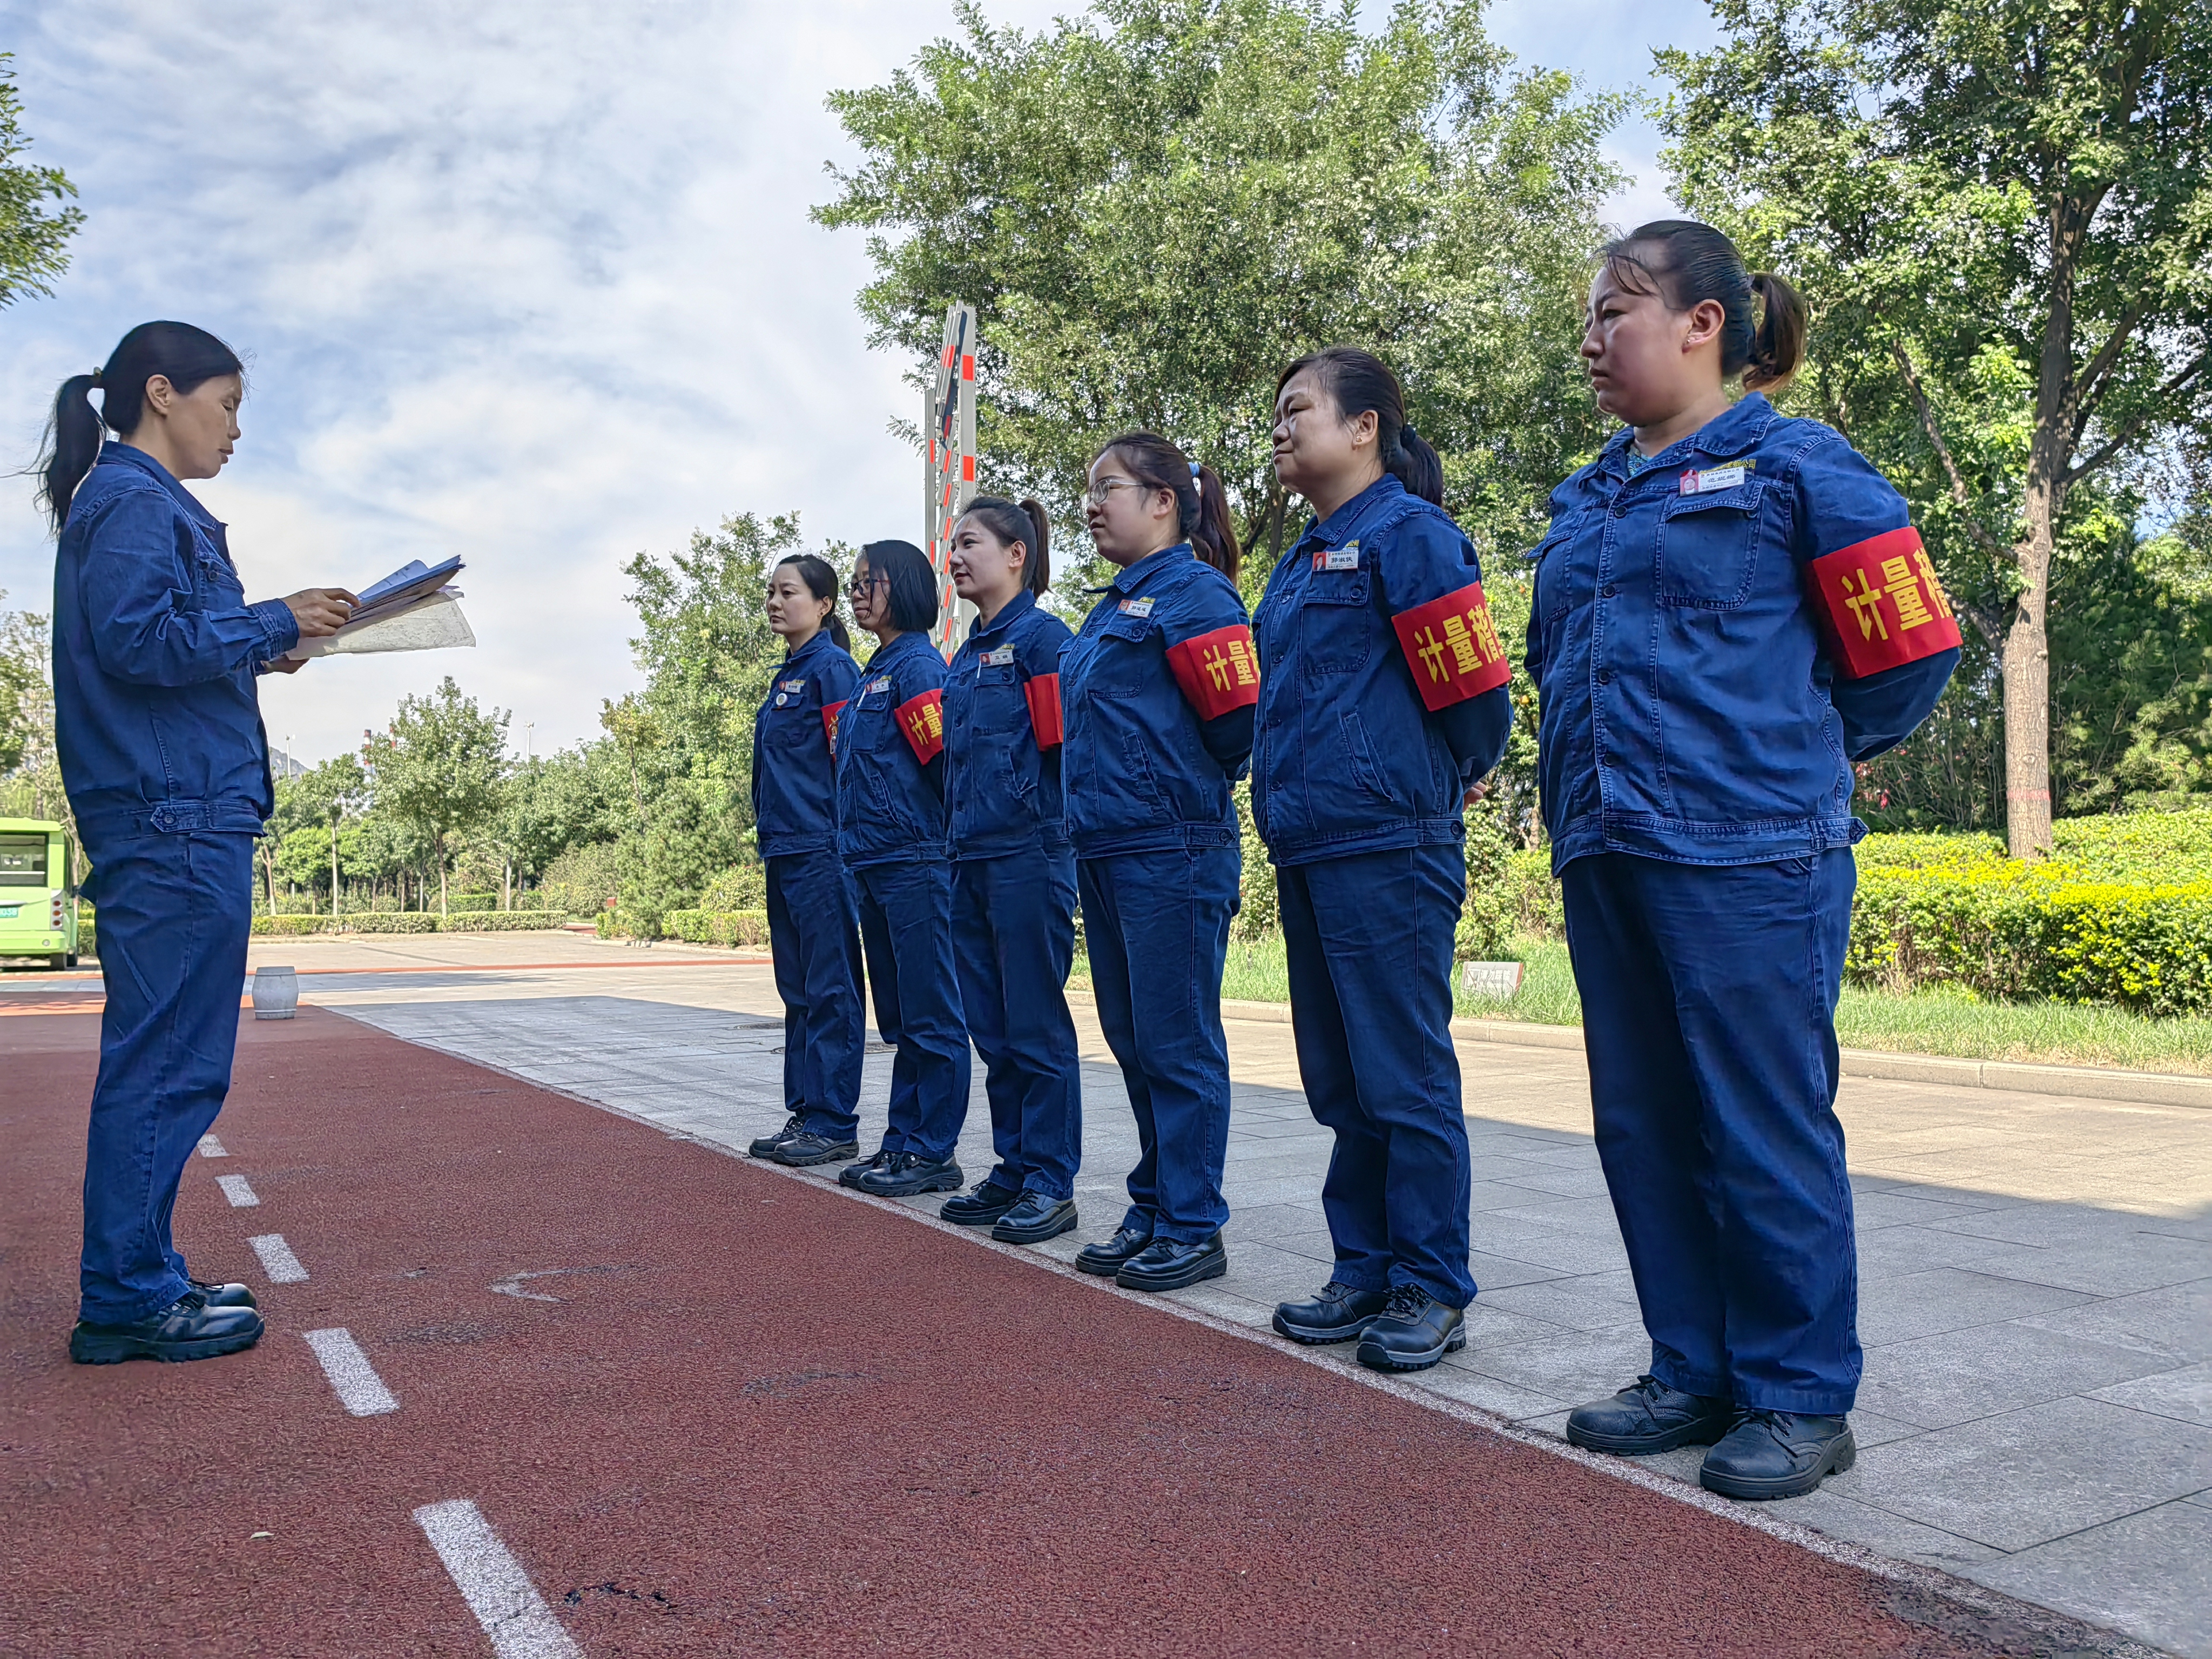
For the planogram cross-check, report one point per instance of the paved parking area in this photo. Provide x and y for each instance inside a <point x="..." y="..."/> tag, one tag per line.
<point x="2037" y="1297"/>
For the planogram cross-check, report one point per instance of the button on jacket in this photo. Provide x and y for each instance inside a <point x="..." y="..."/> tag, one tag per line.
<point x="155" y="651"/>
<point x="889" y="810"/>
<point x="1138" y="775"/>
<point x="794" y="769"/>
<point x="1344" y="759"/>
<point x="1002" y="793"/>
<point x="1689" y="710"/>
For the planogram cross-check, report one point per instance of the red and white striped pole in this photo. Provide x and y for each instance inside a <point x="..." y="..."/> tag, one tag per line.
<point x="948" y="432"/>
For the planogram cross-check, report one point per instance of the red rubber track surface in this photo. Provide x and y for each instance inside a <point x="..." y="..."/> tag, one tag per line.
<point x="758" y="1418"/>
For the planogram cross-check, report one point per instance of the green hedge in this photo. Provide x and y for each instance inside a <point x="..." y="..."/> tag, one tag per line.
<point x="504" y="922"/>
<point x="409" y="921"/>
<point x="736" y="928"/>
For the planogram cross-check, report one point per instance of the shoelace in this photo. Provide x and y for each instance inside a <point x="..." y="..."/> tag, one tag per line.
<point x="1407" y="1303"/>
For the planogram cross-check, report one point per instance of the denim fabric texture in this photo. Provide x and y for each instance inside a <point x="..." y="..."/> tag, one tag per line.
<point x="155" y="652"/>
<point x="814" y="940"/>
<point x="889" y="810"/>
<point x="794" y="769"/>
<point x="175" y="911"/>
<point x="1709" y="1000"/>
<point x="1688" y="711"/>
<point x="1013" y="933"/>
<point x="1139" y="776"/>
<point x="1002" y="792"/>
<point x="1156" y="925"/>
<point x="906" y="936"/>
<point x="1369" y="939"/>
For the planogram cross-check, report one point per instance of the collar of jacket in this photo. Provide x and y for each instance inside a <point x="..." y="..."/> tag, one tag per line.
<point x="1336" y="529"/>
<point x="1732" y="434"/>
<point x="1135" y="576"/>
<point x="904" y="645"/>
<point x="1015" y="609"/>
<point x="822" y="637"/>
<point x="116" y="452"/>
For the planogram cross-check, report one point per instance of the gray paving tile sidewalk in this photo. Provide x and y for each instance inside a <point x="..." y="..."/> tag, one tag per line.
<point x="2035" y="1303"/>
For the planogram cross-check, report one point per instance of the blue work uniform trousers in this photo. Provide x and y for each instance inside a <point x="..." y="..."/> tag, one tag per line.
<point x="1369" y="938"/>
<point x="1157" y="928"/>
<point x="174" y="914"/>
<point x="1709" y="1002"/>
<point x="906" y="934"/>
<point x="814" y="940"/>
<point x="1013" y="928"/>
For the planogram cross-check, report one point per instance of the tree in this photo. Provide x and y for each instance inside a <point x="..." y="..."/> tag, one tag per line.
<point x="325" y="796"/>
<point x="34" y="232"/>
<point x="441" y="772"/>
<point x="2001" y="214"/>
<point x="1157" y="205"/>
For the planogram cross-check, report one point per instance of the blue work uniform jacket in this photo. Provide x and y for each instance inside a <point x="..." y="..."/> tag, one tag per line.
<point x="155" y="651"/>
<point x="1157" y="686"/>
<point x="891" y="775"/>
<point x="1002" y="775"/>
<point x="794" y="762"/>
<point x="1377" y="610"/>
<point x="1694" y="707"/>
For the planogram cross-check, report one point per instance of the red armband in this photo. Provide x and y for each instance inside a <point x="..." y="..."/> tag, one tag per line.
<point x="1879" y="604"/>
<point x="829" y="713"/>
<point x="922" y="719"/>
<point x="1042" y="693"/>
<point x="1453" y="647"/>
<point x="1217" y="672"/>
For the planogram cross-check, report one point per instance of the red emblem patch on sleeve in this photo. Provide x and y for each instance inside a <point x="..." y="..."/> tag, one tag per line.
<point x="1453" y="647"/>
<point x="922" y="719"/>
<point x="829" y="713"/>
<point x="1217" y="672"/>
<point x="1879" y="605"/>
<point x="1044" y="694"/>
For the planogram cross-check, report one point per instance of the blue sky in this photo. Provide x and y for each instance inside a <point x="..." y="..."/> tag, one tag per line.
<point x="530" y="281"/>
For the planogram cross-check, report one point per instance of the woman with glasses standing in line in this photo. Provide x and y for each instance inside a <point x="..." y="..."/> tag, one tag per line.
<point x="1382" y="700"/>
<point x="813" y="934"/>
<point x="1160" y="682"/>
<point x="1013" y="876"/>
<point x="890" y="830"/>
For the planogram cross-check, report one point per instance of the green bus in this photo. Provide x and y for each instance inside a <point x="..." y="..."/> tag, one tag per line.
<point x="37" y="902"/>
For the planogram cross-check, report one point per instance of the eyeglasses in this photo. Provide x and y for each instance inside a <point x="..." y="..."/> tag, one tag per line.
<point x="860" y="587"/>
<point x="1101" y="492"/>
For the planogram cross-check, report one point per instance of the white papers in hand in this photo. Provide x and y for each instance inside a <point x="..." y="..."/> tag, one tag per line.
<point x="430" y="624"/>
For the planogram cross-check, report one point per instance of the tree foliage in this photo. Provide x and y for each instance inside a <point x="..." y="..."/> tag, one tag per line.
<point x="440" y="768"/>
<point x="36" y="220"/>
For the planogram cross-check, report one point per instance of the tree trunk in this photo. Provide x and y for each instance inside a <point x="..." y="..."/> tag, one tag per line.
<point x="442" y="909"/>
<point x="507" y="884"/>
<point x="334" y="867"/>
<point x="2027" y="697"/>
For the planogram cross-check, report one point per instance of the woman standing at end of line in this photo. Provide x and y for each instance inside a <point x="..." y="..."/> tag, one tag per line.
<point x="1731" y="609"/>
<point x="813" y="932"/>
<point x="1382" y="700"/>
<point x="163" y="756"/>
<point x="1013" y="876"/>
<point x="890" y="830"/>
<point x="1159" y="685"/>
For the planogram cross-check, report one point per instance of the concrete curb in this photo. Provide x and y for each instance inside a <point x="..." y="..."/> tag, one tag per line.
<point x="2075" y="1082"/>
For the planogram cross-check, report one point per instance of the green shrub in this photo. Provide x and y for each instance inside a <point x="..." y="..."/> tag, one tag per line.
<point x="470" y="903"/>
<point x="290" y="926"/>
<point x="401" y="922"/>
<point x="739" y="929"/>
<point x="744" y="888"/>
<point x="502" y="921"/>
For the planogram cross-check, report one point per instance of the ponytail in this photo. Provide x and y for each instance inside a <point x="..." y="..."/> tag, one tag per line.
<point x="1201" y="502"/>
<point x="187" y="357"/>
<point x="822" y="582"/>
<point x="1686" y="263"/>
<point x="1024" y="522"/>
<point x="1359" y="382"/>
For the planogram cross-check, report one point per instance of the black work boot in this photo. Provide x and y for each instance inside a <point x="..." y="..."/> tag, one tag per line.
<point x="1339" y="1314"/>
<point x="851" y="1174"/>
<point x="1777" y="1454"/>
<point x="1107" y="1259"/>
<point x="1412" y="1332"/>
<point x="809" y="1147"/>
<point x="1035" y="1219"/>
<point x="905" y="1174"/>
<point x="1649" y="1417"/>
<point x="980" y="1204"/>
<point x="1168" y="1264"/>
<point x="223" y="1296"/>
<point x="188" y="1328"/>
<point x="766" y="1145"/>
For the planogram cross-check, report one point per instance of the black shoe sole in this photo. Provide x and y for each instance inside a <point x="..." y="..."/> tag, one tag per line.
<point x="1840" y="1457"/>
<point x="1313" y="1338"/>
<point x="912" y="1185"/>
<point x="1102" y="1267"/>
<point x="114" y="1350"/>
<point x="1037" y="1235"/>
<point x="1380" y="1361"/>
<point x="842" y="1153"/>
<point x="1698" y="1433"/>
<point x="1196" y="1272"/>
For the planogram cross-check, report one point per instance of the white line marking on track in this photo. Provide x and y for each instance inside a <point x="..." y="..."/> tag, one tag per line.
<point x="210" y="1147"/>
<point x="238" y="1190"/>
<point x="361" y="1390"/>
<point x="277" y="1259"/>
<point x="492" y="1581"/>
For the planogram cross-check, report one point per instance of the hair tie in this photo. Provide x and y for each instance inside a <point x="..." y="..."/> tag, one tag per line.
<point x="1193" y="472"/>
<point x="1408" y="435"/>
<point x="95" y="378"/>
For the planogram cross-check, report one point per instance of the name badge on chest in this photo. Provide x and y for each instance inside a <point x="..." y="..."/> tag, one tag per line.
<point x="1137" y="607"/>
<point x="882" y="684"/>
<point x="791" y="685"/>
<point x="1716" y="477"/>
<point x="1338" y="559"/>
<point x="1002" y="658"/>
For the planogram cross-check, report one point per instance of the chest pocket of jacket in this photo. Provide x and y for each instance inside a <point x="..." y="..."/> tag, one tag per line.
<point x="1335" y="625"/>
<point x="215" y="584"/>
<point x="995" y="703"/>
<point x="1118" y="660"/>
<point x="1709" y="547"/>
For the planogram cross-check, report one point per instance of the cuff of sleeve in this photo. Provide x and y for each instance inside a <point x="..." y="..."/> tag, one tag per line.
<point x="278" y="626"/>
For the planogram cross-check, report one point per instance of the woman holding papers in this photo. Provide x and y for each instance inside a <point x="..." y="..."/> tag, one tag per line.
<point x="1013" y="878"/>
<point x="812" y="931"/>
<point x="1159" y="685"/>
<point x="890" y="830"/>
<point x="166" y="768"/>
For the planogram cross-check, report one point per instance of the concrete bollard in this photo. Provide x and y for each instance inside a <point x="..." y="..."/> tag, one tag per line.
<point x="276" y="993"/>
<point x="1498" y="980"/>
